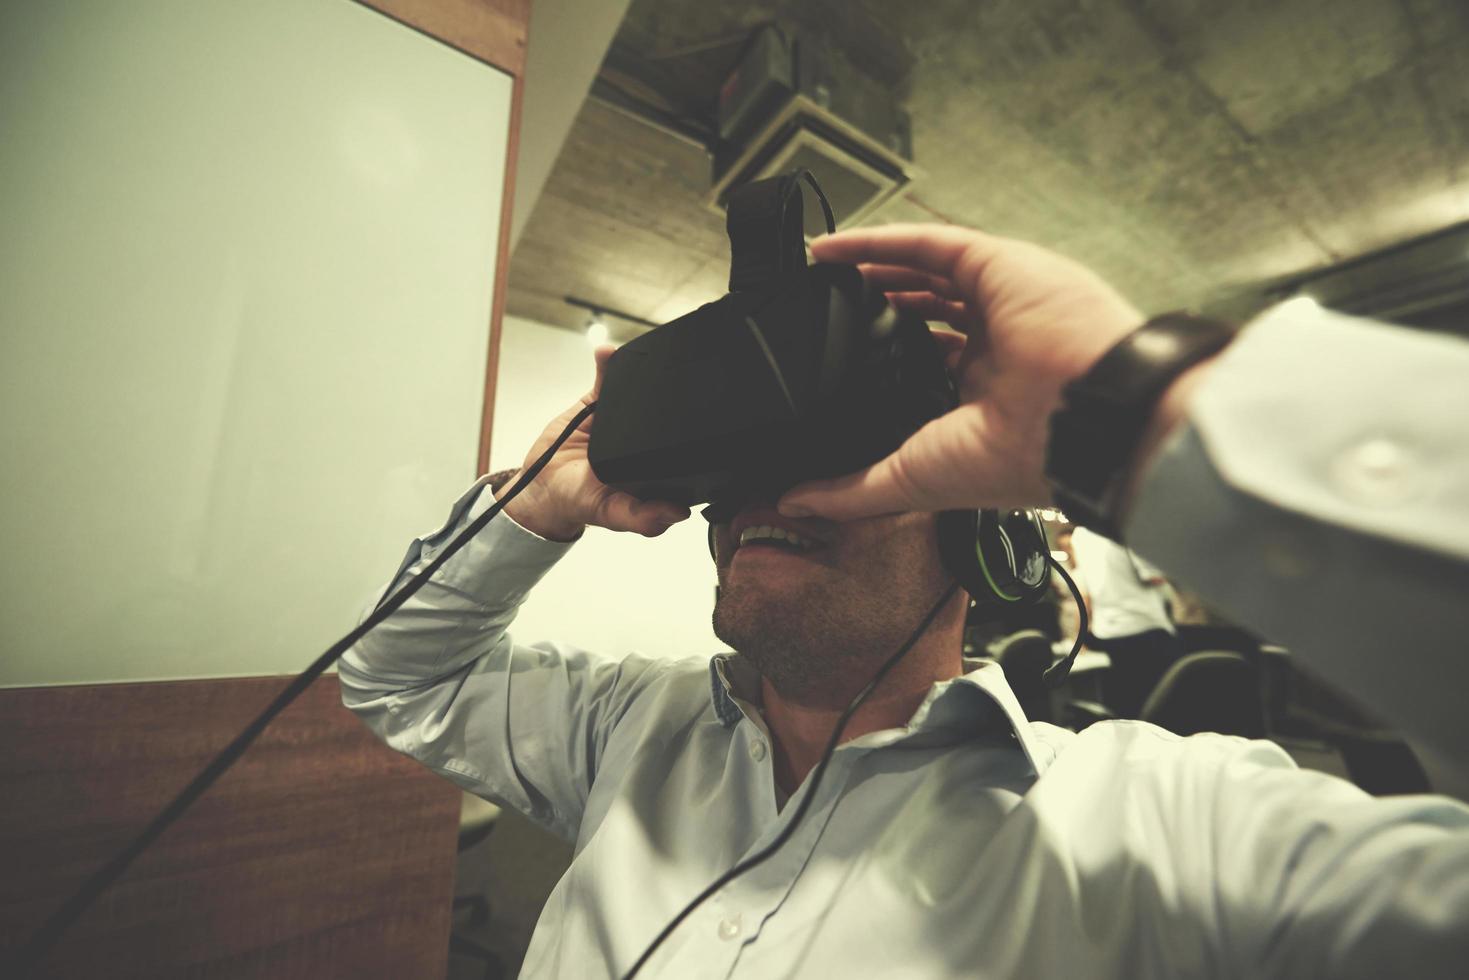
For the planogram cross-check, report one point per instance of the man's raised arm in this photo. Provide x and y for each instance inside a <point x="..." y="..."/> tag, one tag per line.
<point x="1313" y="483"/>
<point x="442" y="681"/>
<point x="1318" y="492"/>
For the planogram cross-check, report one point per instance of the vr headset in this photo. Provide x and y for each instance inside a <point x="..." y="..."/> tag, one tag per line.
<point x="800" y="372"/>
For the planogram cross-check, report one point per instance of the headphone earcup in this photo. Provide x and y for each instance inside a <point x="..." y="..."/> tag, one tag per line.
<point x="987" y="552"/>
<point x="713" y="551"/>
<point x="958" y="531"/>
<point x="1014" y="545"/>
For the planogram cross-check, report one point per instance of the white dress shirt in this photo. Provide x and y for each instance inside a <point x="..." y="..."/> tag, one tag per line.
<point x="968" y="843"/>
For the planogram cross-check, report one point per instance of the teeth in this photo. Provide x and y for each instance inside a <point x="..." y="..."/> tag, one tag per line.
<point x="762" y="531"/>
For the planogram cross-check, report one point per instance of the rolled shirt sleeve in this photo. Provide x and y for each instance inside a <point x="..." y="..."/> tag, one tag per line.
<point x="1319" y="493"/>
<point x="442" y="681"/>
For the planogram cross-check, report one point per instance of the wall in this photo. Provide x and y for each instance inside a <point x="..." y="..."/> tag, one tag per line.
<point x="246" y="284"/>
<point x="613" y="593"/>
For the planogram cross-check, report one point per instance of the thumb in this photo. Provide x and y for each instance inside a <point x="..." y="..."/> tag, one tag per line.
<point x="601" y="356"/>
<point x="882" y="488"/>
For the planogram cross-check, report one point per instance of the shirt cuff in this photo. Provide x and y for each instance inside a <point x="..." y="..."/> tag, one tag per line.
<point x="1315" y="496"/>
<point x="1347" y="421"/>
<point x="499" y="565"/>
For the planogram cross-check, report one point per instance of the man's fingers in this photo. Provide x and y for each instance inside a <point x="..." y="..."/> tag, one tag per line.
<point x="949" y="342"/>
<point x="938" y="250"/>
<point x="650" y="518"/>
<point x="897" y="278"/>
<point x="879" y="489"/>
<point x="951" y="347"/>
<point x="934" y="308"/>
<point x="600" y="356"/>
<point x="945" y="465"/>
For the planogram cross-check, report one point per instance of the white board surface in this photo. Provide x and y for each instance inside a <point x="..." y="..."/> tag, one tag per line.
<point x="245" y="288"/>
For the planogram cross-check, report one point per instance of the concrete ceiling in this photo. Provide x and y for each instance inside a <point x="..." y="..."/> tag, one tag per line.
<point x="1189" y="150"/>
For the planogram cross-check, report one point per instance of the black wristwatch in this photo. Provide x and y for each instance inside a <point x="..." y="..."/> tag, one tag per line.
<point x="1104" y="413"/>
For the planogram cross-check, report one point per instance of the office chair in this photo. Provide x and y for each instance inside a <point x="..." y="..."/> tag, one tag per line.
<point x="1024" y="657"/>
<point x="1212" y="691"/>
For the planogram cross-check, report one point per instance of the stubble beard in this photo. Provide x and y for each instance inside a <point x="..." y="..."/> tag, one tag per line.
<point x="808" y="643"/>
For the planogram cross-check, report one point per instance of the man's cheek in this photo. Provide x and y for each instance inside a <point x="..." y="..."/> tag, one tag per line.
<point x="723" y="548"/>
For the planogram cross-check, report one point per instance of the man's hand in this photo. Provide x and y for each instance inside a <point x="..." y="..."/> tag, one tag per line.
<point x="567" y="496"/>
<point x="1033" y="320"/>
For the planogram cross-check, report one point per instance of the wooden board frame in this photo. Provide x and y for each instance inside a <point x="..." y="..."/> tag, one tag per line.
<point x="322" y="853"/>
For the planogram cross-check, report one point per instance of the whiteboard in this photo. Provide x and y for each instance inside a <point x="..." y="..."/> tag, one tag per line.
<point x="245" y="284"/>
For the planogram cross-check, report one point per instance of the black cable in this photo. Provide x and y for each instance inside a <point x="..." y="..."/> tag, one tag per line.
<point x="831" y="221"/>
<point x="805" y="804"/>
<point x="795" y="185"/>
<point x="41" y="941"/>
<point x="1057" y="673"/>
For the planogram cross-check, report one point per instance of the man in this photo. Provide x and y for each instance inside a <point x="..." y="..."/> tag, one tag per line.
<point x="1129" y="620"/>
<point x="950" y="837"/>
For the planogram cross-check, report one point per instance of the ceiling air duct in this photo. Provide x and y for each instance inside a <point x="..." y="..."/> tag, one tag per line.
<point x="1423" y="282"/>
<point x="795" y="102"/>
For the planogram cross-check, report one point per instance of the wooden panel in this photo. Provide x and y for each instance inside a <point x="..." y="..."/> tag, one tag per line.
<point x="322" y="853"/>
<point x="491" y="30"/>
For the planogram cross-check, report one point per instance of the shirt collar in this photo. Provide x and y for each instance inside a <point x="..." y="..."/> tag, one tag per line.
<point x="977" y="703"/>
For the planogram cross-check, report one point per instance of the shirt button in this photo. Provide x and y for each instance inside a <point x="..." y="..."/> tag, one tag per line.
<point x="1377" y="473"/>
<point x="757" y="750"/>
<point x="729" y="928"/>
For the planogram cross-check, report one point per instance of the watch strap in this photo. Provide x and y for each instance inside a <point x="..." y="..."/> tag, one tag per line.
<point x="1104" y="414"/>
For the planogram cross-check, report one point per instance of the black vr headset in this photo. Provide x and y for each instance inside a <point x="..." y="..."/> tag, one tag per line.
<point x="800" y="372"/>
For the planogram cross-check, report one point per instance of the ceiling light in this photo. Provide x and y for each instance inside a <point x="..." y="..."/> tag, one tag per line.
<point x="596" y="330"/>
<point x="1302" y="303"/>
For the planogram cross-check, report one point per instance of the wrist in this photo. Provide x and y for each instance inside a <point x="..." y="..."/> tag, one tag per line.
<point x="1171" y="411"/>
<point x="531" y="511"/>
<point x="1113" y="418"/>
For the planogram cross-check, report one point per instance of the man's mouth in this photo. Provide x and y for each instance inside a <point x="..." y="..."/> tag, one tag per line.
<point x="765" y="536"/>
<point x="760" y="530"/>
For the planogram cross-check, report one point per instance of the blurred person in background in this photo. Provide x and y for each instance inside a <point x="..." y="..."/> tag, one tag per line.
<point x="1129" y="620"/>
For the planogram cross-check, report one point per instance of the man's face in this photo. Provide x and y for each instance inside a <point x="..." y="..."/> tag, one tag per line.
<point x="835" y="597"/>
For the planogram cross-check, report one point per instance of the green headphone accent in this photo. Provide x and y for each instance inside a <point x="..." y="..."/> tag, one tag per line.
<point x="997" y="556"/>
<point x="994" y="587"/>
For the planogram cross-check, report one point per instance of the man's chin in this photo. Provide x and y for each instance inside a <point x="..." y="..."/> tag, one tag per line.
<point x="770" y="595"/>
<point x="791" y="631"/>
<point x="748" y="608"/>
